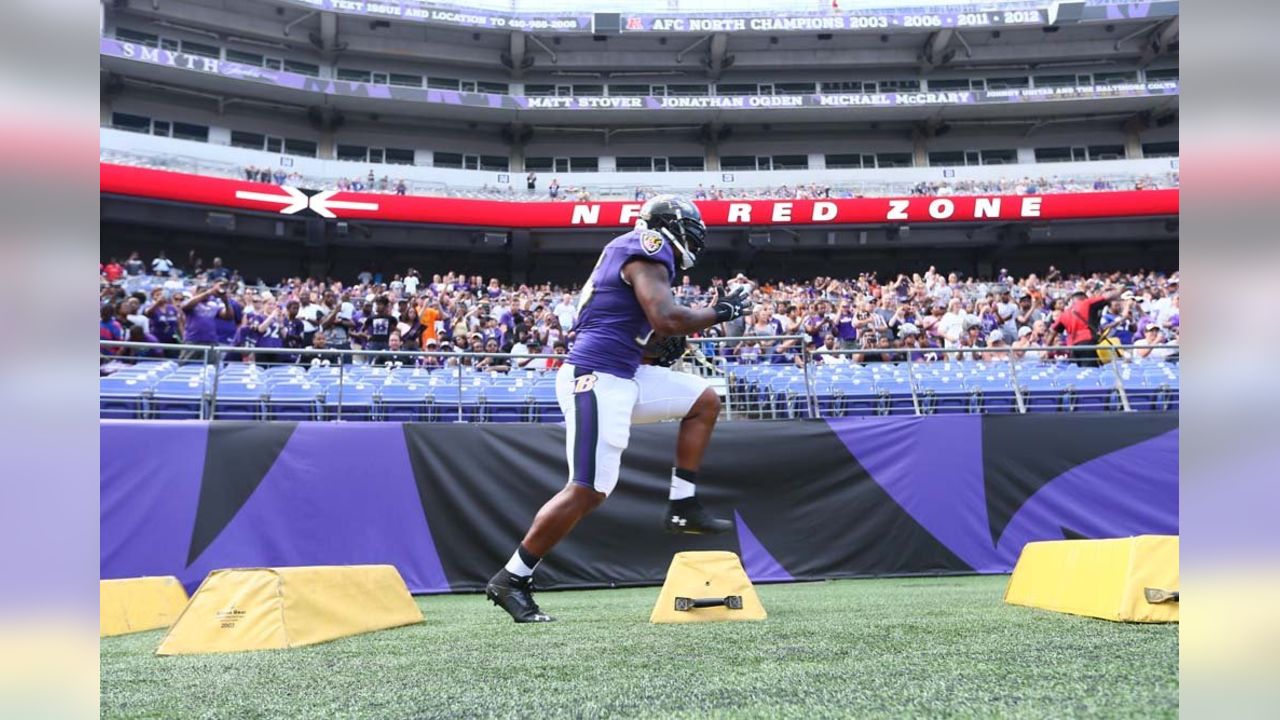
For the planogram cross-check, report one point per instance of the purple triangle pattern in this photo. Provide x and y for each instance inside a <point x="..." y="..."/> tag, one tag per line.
<point x="338" y="494"/>
<point x="759" y="563"/>
<point x="150" y="489"/>
<point x="1132" y="491"/>
<point x="933" y="468"/>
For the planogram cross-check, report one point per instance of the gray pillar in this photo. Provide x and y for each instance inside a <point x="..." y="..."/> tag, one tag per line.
<point x="517" y="157"/>
<point x="517" y="53"/>
<point x="1133" y="144"/>
<point x="712" y="160"/>
<point x="920" y="150"/>
<point x="327" y="147"/>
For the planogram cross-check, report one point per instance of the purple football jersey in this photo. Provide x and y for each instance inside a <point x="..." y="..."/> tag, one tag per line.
<point x="612" y="327"/>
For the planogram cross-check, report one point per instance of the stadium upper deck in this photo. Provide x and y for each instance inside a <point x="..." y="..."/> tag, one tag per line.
<point x="336" y="64"/>
<point x="621" y="17"/>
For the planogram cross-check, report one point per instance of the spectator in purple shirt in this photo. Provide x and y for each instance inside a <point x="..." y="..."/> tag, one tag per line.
<point x="164" y="318"/>
<point x="845" y="328"/>
<point x="202" y="312"/>
<point x="247" y="334"/>
<point x="491" y="331"/>
<point x="226" y="328"/>
<point x="987" y="316"/>
<point x="270" y="330"/>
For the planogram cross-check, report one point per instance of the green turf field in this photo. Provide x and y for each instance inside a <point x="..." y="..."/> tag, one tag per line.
<point x="924" y="647"/>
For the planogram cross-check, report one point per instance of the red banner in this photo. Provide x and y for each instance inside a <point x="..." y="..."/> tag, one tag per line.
<point x="499" y="214"/>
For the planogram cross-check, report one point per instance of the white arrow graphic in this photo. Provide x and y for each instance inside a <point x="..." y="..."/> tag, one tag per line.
<point x="321" y="203"/>
<point x="296" y="201"/>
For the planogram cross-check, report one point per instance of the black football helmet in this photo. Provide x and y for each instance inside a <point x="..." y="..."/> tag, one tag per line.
<point x="680" y="222"/>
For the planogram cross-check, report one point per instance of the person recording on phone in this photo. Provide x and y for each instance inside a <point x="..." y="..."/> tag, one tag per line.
<point x="201" y="313"/>
<point x="338" y="325"/>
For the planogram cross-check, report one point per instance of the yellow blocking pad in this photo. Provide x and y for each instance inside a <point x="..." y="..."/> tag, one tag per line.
<point x="272" y="608"/>
<point x="132" y="605"/>
<point x="1098" y="578"/>
<point x="706" y="574"/>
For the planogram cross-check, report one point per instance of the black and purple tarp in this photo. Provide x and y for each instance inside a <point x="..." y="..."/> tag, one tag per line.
<point x="446" y="504"/>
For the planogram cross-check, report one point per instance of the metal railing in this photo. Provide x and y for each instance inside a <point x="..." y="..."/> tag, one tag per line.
<point x="782" y="377"/>
<point x="1066" y="178"/>
<point x="165" y="381"/>
<point x="757" y="378"/>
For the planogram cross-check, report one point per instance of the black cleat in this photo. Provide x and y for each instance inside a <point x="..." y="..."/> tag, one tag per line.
<point x="687" y="516"/>
<point x="515" y="595"/>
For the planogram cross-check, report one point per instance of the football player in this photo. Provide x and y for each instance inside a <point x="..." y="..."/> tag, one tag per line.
<point x="626" y="312"/>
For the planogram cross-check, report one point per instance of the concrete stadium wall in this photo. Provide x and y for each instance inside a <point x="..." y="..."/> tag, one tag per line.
<point x="229" y="159"/>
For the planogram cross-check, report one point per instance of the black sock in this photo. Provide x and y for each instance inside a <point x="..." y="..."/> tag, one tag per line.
<point x="683" y="484"/>
<point x="527" y="557"/>
<point x="522" y="562"/>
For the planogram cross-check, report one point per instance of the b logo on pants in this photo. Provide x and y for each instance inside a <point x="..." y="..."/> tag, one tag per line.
<point x="584" y="384"/>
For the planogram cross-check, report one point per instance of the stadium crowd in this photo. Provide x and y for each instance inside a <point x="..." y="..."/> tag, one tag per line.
<point x="535" y="189"/>
<point x="555" y="192"/>
<point x="855" y="319"/>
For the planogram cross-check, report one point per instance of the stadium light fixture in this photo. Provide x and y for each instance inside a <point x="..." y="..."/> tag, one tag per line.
<point x="188" y="28"/>
<point x="1061" y="13"/>
<point x="254" y="41"/>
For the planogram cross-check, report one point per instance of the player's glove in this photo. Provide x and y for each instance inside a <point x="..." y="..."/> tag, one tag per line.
<point x="665" y="351"/>
<point x="733" y="304"/>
